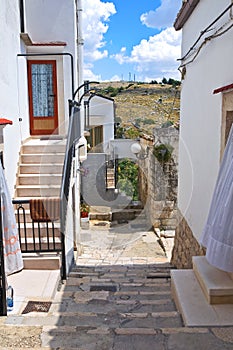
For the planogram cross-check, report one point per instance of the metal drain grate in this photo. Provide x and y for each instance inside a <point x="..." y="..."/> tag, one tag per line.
<point x="37" y="306"/>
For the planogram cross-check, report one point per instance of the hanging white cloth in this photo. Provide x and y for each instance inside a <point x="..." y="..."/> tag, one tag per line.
<point x="12" y="252"/>
<point x="217" y="235"/>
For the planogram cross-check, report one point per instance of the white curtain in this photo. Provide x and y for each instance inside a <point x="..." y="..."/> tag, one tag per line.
<point x="217" y="235"/>
<point x="12" y="252"/>
<point x="42" y="90"/>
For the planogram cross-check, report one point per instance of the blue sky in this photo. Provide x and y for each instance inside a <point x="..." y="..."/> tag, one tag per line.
<point x="130" y="39"/>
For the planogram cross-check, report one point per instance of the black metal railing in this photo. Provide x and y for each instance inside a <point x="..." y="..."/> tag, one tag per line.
<point x="36" y="237"/>
<point x="74" y="133"/>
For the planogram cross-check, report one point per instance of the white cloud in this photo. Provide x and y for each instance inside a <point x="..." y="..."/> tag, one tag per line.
<point x="158" y="53"/>
<point x="96" y="14"/>
<point x="163" y="16"/>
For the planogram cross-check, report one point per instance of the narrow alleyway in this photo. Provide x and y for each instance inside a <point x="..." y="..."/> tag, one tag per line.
<point x="118" y="296"/>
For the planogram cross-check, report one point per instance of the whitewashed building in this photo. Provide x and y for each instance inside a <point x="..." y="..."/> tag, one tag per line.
<point x="205" y="121"/>
<point x="41" y="71"/>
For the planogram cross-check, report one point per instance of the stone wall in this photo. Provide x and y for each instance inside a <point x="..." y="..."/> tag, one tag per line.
<point x="185" y="245"/>
<point x="158" y="181"/>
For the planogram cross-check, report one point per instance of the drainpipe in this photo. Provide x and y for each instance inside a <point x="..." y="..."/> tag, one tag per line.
<point x="21" y="11"/>
<point x="80" y="40"/>
<point x="55" y="54"/>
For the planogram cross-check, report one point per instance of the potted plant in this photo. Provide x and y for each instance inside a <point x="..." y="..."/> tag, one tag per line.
<point x="84" y="210"/>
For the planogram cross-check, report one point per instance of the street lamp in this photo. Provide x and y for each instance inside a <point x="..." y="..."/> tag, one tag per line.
<point x="138" y="151"/>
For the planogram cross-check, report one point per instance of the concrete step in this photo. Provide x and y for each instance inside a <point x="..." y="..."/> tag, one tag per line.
<point x="38" y="191"/>
<point x="47" y="158"/>
<point x="42" y="244"/>
<point x="43" y="148"/>
<point x="100" y="216"/>
<point x="41" y="169"/>
<point x="42" y="261"/>
<point x="192" y="304"/>
<point x="39" y="179"/>
<point x="33" y="285"/>
<point x="126" y="214"/>
<point x="130" y="205"/>
<point x="216" y="284"/>
<point x="43" y="229"/>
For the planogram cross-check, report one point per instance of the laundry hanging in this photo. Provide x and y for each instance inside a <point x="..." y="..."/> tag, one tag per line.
<point x="12" y="252"/>
<point x="217" y="235"/>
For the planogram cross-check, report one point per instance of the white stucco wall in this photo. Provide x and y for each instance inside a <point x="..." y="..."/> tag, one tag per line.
<point x="201" y="115"/>
<point x="13" y="89"/>
<point x="59" y="24"/>
<point x="102" y="113"/>
<point x="53" y="20"/>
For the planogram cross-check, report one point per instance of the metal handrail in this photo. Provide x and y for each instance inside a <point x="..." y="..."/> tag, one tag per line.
<point x="72" y="138"/>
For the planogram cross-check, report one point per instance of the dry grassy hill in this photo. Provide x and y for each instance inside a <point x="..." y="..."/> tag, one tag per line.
<point x="148" y="105"/>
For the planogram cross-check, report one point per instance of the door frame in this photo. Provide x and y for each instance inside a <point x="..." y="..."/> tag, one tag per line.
<point x="34" y="131"/>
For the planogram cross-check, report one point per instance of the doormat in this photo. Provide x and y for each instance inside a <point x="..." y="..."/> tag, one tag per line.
<point x="37" y="306"/>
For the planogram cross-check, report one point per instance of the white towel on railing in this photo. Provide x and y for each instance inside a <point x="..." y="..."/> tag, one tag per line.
<point x="217" y="235"/>
<point x="12" y="252"/>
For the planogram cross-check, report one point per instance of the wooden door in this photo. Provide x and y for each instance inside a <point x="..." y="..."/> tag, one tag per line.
<point x="42" y="87"/>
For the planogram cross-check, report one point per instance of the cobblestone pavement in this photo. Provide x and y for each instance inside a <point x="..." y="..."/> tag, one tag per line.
<point x="117" y="297"/>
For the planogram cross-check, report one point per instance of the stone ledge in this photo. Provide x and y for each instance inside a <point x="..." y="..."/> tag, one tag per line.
<point x="192" y="304"/>
<point x="216" y="284"/>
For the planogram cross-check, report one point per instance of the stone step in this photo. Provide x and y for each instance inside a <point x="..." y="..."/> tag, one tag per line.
<point x="130" y="205"/>
<point x="100" y="216"/>
<point x="216" y="284"/>
<point x="39" y="179"/>
<point x="120" y="320"/>
<point x="126" y="214"/>
<point x="41" y="261"/>
<point x="42" y="244"/>
<point x="192" y="304"/>
<point x="43" y="229"/>
<point x="41" y="169"/>
<point x="38" y="191"/>
<point x="43" y="148"/>
<point x="47" y="158"/>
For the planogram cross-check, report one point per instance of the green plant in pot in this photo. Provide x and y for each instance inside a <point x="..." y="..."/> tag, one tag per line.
<point x="163" y="152"/>
<point x="84" y="210"/>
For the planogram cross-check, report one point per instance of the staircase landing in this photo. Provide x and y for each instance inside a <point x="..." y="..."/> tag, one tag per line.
<point x="193" y="290"/>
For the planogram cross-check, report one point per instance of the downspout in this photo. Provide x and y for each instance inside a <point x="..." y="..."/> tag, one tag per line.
<point x="21" y="11"/>
<point x="55" y="54"/>
<point x="80" y="41"/>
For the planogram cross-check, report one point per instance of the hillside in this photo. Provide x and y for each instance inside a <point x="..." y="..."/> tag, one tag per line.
<point x="146" y="105"/>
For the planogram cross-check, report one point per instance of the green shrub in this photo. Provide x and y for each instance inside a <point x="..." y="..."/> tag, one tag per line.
<point x="163" y="152"/>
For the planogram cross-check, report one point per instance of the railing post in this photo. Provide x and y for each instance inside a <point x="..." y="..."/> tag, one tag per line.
<point x="3" y="307"/>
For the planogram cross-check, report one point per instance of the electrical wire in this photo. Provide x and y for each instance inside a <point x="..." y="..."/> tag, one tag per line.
<point x="209" y="38"/>
<point x="208" y="28"/>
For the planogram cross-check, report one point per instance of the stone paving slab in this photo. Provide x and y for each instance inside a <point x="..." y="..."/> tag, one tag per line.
<point x="138" y="314"/>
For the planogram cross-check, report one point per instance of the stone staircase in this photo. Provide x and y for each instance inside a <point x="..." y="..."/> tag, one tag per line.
<point x="125" y="212"/>
<point x="203" y="295"/>
<point x="39" y="175"/>
<point x="40" y="169"/>
<point x="109" y="307"/>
